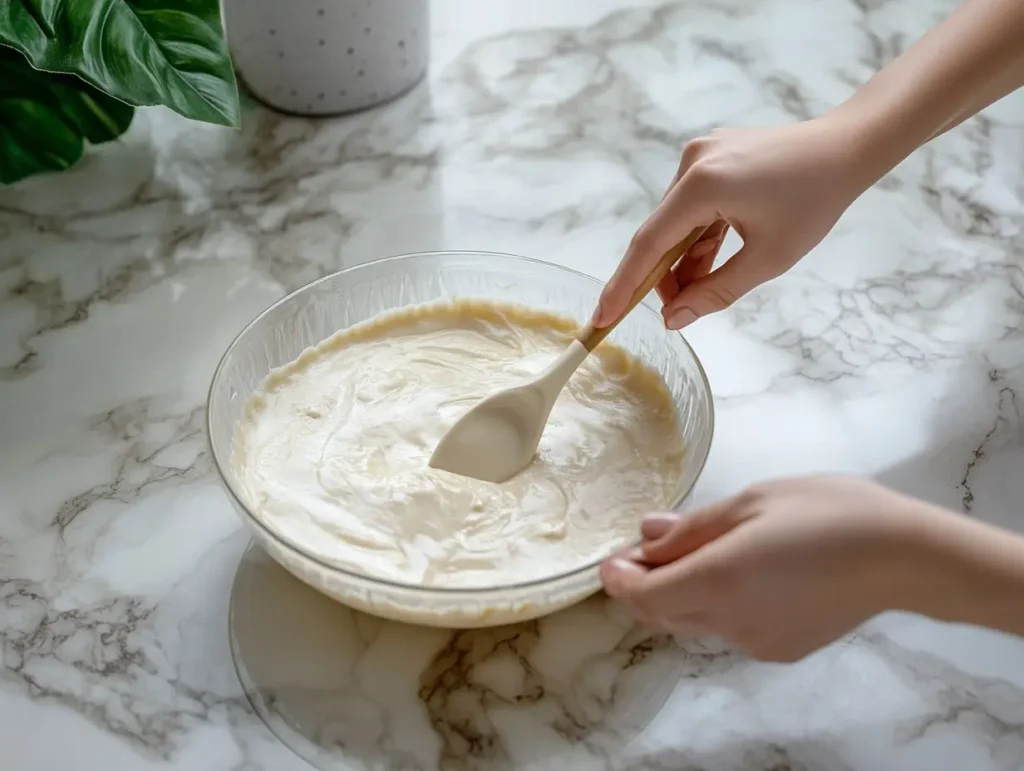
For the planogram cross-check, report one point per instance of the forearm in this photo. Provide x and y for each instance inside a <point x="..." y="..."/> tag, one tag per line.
<point x="989" y="92"/>
<point x="970" y="573"/>
<point x="972" y="59"/>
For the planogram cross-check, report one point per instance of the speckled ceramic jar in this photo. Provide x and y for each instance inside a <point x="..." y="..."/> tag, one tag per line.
<point x="324" y="57"/>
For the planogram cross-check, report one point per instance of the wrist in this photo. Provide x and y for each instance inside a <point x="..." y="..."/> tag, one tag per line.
<point x="965" y="63"/>
<point x="964" y="571"/>
<point x="904" y="569"/>
<point x="873" y="140"/>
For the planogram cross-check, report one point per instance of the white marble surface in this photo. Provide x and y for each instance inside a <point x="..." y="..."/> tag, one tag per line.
<point x="548" y="129"/>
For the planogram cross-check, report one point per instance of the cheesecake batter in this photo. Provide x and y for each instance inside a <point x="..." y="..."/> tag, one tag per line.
<point x="331" y="451"/>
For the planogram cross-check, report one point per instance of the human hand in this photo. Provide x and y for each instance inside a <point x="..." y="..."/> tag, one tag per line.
<point x="783" y="568"/>
<point x="781" y="188"/>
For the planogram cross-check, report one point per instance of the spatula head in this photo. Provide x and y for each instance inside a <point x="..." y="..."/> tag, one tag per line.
<point x="497" y="438"/>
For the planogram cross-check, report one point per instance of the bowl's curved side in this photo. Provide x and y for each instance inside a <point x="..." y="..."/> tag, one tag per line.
<point x="317" y="310"/>
<point x="424" y="606"/>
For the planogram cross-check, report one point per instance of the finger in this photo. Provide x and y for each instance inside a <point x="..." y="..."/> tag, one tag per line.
<point x="681" y="211"/>
<point x="650" y="603"/>
<point x="698" y="254"/>
<point x="622" y="577"/>
<point x="694" y="531"/>
<point x="668" y="287"/>
<point x="672" y="590"/>
<point x="691" y="268"/>
<point x="716" y="291"/>
<point x="690" y="152"/>
<point x="687" y="589"/>
<point x="657" y="525"/>
<point x="697" y="262"/>
<point x="675" y="181"/>
<point x="701" y="258"/>
<point x="715" y="234"/>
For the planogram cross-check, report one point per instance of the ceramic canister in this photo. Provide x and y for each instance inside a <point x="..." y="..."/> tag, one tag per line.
<point x="323" y="57"/>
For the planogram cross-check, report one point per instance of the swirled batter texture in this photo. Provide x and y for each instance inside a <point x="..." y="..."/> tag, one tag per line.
<point x="332" y="450"/>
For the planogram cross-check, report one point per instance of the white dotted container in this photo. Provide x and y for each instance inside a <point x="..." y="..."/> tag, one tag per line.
<point x="324" y="57"/>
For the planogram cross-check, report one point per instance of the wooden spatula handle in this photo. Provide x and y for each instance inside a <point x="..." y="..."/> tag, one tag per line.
<point x="591" y="336"/>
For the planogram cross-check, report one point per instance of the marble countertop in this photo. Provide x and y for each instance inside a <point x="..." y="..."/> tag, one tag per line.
<point x="548" y="129"/>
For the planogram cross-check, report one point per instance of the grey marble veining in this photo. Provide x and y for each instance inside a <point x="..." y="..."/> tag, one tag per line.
<point x="549" y="129"/>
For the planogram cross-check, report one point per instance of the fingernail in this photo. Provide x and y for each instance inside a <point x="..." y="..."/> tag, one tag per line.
<point x="596" y="318"/>
<point x="681" y="318"/>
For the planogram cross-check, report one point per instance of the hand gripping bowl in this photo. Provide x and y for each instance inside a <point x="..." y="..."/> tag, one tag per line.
<point x="314" y="312"/>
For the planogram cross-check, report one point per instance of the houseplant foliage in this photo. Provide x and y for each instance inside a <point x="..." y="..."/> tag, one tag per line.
<point x="72" y="71"/>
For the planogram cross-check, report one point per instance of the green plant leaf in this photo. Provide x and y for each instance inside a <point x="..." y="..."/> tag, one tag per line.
<point x="143" y="52"/>
<point x="46" y="118"/>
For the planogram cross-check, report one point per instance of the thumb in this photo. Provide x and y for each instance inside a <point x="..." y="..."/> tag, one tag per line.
<point x="716" y="291"/>
<point x="692" y="532"/>
<point x="621" y="577"/>
<point x="655" y="526"/>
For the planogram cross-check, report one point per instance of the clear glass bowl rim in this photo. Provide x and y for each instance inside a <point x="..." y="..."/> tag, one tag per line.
<point x="419" y="588"/>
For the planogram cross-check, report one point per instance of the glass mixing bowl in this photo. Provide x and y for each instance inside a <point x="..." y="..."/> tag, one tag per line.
<point x="318" y="310"/>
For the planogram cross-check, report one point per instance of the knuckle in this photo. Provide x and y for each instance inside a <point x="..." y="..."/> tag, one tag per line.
<point x="644" y="240"/>
<point x="721" y="297"/>
<point x="701" y="173"/>
<point x="693" y="149"/>
<point x="755" y="496"/>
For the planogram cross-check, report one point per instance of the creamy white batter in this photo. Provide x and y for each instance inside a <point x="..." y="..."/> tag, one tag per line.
<point x="331" y="452"/>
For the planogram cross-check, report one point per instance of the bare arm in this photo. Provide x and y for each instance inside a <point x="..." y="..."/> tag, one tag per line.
<point x="782" y="188"/>
<point x="972" y="573"/>
<point x="972" y="59"/>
